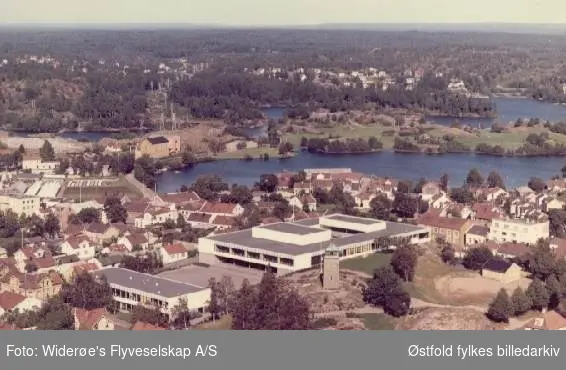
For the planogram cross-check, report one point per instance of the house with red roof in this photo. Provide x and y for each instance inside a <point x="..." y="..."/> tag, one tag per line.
<point x="173" y="253"/>
<point x="222" y="209"/>
<point x="79" y="245"/>
<point x="550" y="320"/>
<point x="96" y="319"/>
<point x="10" y="302"/>
<point x="38" y="285"/>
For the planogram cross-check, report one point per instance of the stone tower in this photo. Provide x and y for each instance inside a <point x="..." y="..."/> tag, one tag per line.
<point x="331" y="268"/>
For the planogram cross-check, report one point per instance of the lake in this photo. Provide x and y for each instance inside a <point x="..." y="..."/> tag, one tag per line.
<point x="509" y="110"/>
<point x="515" y="171"/>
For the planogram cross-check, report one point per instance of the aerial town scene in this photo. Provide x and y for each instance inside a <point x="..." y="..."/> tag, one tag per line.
<point x="321" y="178"/>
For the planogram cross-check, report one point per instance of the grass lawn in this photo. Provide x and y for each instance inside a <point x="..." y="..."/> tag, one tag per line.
<point x="345" y="131"/>
<point x="223" y="323"/>
<point x="377" y="321"/>
<point x="367" y="264"/>
<point x="508" y="140"/>
<point x="255" y="153"/>
<point x="430" y="268"/>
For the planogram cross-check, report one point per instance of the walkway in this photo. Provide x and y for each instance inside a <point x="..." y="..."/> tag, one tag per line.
<point x="146" y="192"/>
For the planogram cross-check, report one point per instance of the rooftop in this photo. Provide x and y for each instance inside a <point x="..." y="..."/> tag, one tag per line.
<point x="147" y="283"/>
<point x="497" y="265"/>
<point x="291" y="228"/>
<point x="245" y="238"/>
<point x="352" y="219"/>
<point x="158" y="140"/>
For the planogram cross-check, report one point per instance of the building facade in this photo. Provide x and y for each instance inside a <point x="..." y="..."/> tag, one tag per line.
<point x="130" y="288"/>
<point x="518" y="231"/>
<point x="291" y="246"/>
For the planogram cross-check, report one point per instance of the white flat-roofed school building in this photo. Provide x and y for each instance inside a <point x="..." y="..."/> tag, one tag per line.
<point x="292" y="246"/>
<point x="130" y="288"/>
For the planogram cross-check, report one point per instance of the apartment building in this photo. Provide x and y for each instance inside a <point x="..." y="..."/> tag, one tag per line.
<point x="525" y="231"/>
<point x="20" y="204"/>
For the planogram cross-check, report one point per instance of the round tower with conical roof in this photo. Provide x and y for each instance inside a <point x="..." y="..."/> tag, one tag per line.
<point x="331" y="267"/>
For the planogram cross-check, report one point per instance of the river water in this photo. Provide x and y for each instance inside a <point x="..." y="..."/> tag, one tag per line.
<point x="515" y="171"/>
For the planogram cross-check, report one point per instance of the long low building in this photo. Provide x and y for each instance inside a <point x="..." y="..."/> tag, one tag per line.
<point x="290" y="246"/>
<point x="130" y="288"/>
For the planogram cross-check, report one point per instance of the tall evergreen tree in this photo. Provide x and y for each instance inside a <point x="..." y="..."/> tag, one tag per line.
<point x="538" y="294"/>
<point x="500" y="308"/>
<point x="520" y="302"/>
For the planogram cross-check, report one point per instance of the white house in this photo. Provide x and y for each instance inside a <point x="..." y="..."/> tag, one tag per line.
<point x="80" y="245"/>
<point x="173" y="253"/>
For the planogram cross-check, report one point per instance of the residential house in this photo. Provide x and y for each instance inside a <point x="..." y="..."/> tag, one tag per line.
<point x="477" y="235"/>
<point x="223" y="222"/>
<point x="285" y="180"/>
<point x="38" y="255"/>
<point x="172" y="253"/>
<point x="430" y="190"/>
<point x="302" y="187"/>
<point x="137" y="241"/>
<point x="100" y="233"/>
<point x="222" y="209"/>
<point x="484" y="213"/>
<point x="10" y="302"/>
<point x="439" y="200"/>
<point x="39" y="285"/>
<point x="548" y="320"/>
<point x="309" y="201"/>
<point x="364" y="199"/>
<point x="181" y="198"/>
<point x="512" y="250"/>
<point x="518" y="230"/>
<point x="96" y="319"/>
<point x="502" y="271"/>
<point x="79" y="245"/>
<point x="552" y="203"/>
<point x="452" y="230"/>
<point x="556" y="185"/>
<point x="490" y="194"/>
<point x="525" y="191"/>
<point x="200" y="220"/>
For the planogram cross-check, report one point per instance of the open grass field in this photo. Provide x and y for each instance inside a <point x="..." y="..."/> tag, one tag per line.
<point x="508" y="140"/>
<point x="88" y="189"/>
<point x="377" y="321"/>
<point x="223" y="323"/>
<point x="367" y="264"/>
<point x="255" y="153"/>
<point x="435" y="281"/>
<point x="345" y="131"/>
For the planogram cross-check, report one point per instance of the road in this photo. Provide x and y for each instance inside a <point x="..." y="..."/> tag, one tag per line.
<point x="146" y="192"/>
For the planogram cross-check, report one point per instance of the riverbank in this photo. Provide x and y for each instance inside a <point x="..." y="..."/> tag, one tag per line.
<point x="515" y="171"/>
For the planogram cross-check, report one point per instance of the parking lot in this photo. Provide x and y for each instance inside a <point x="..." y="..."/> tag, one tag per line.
<point x="198" y="275"/>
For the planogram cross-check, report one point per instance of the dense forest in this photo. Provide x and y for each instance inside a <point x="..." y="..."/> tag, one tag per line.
<point x="108" y="79"/>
